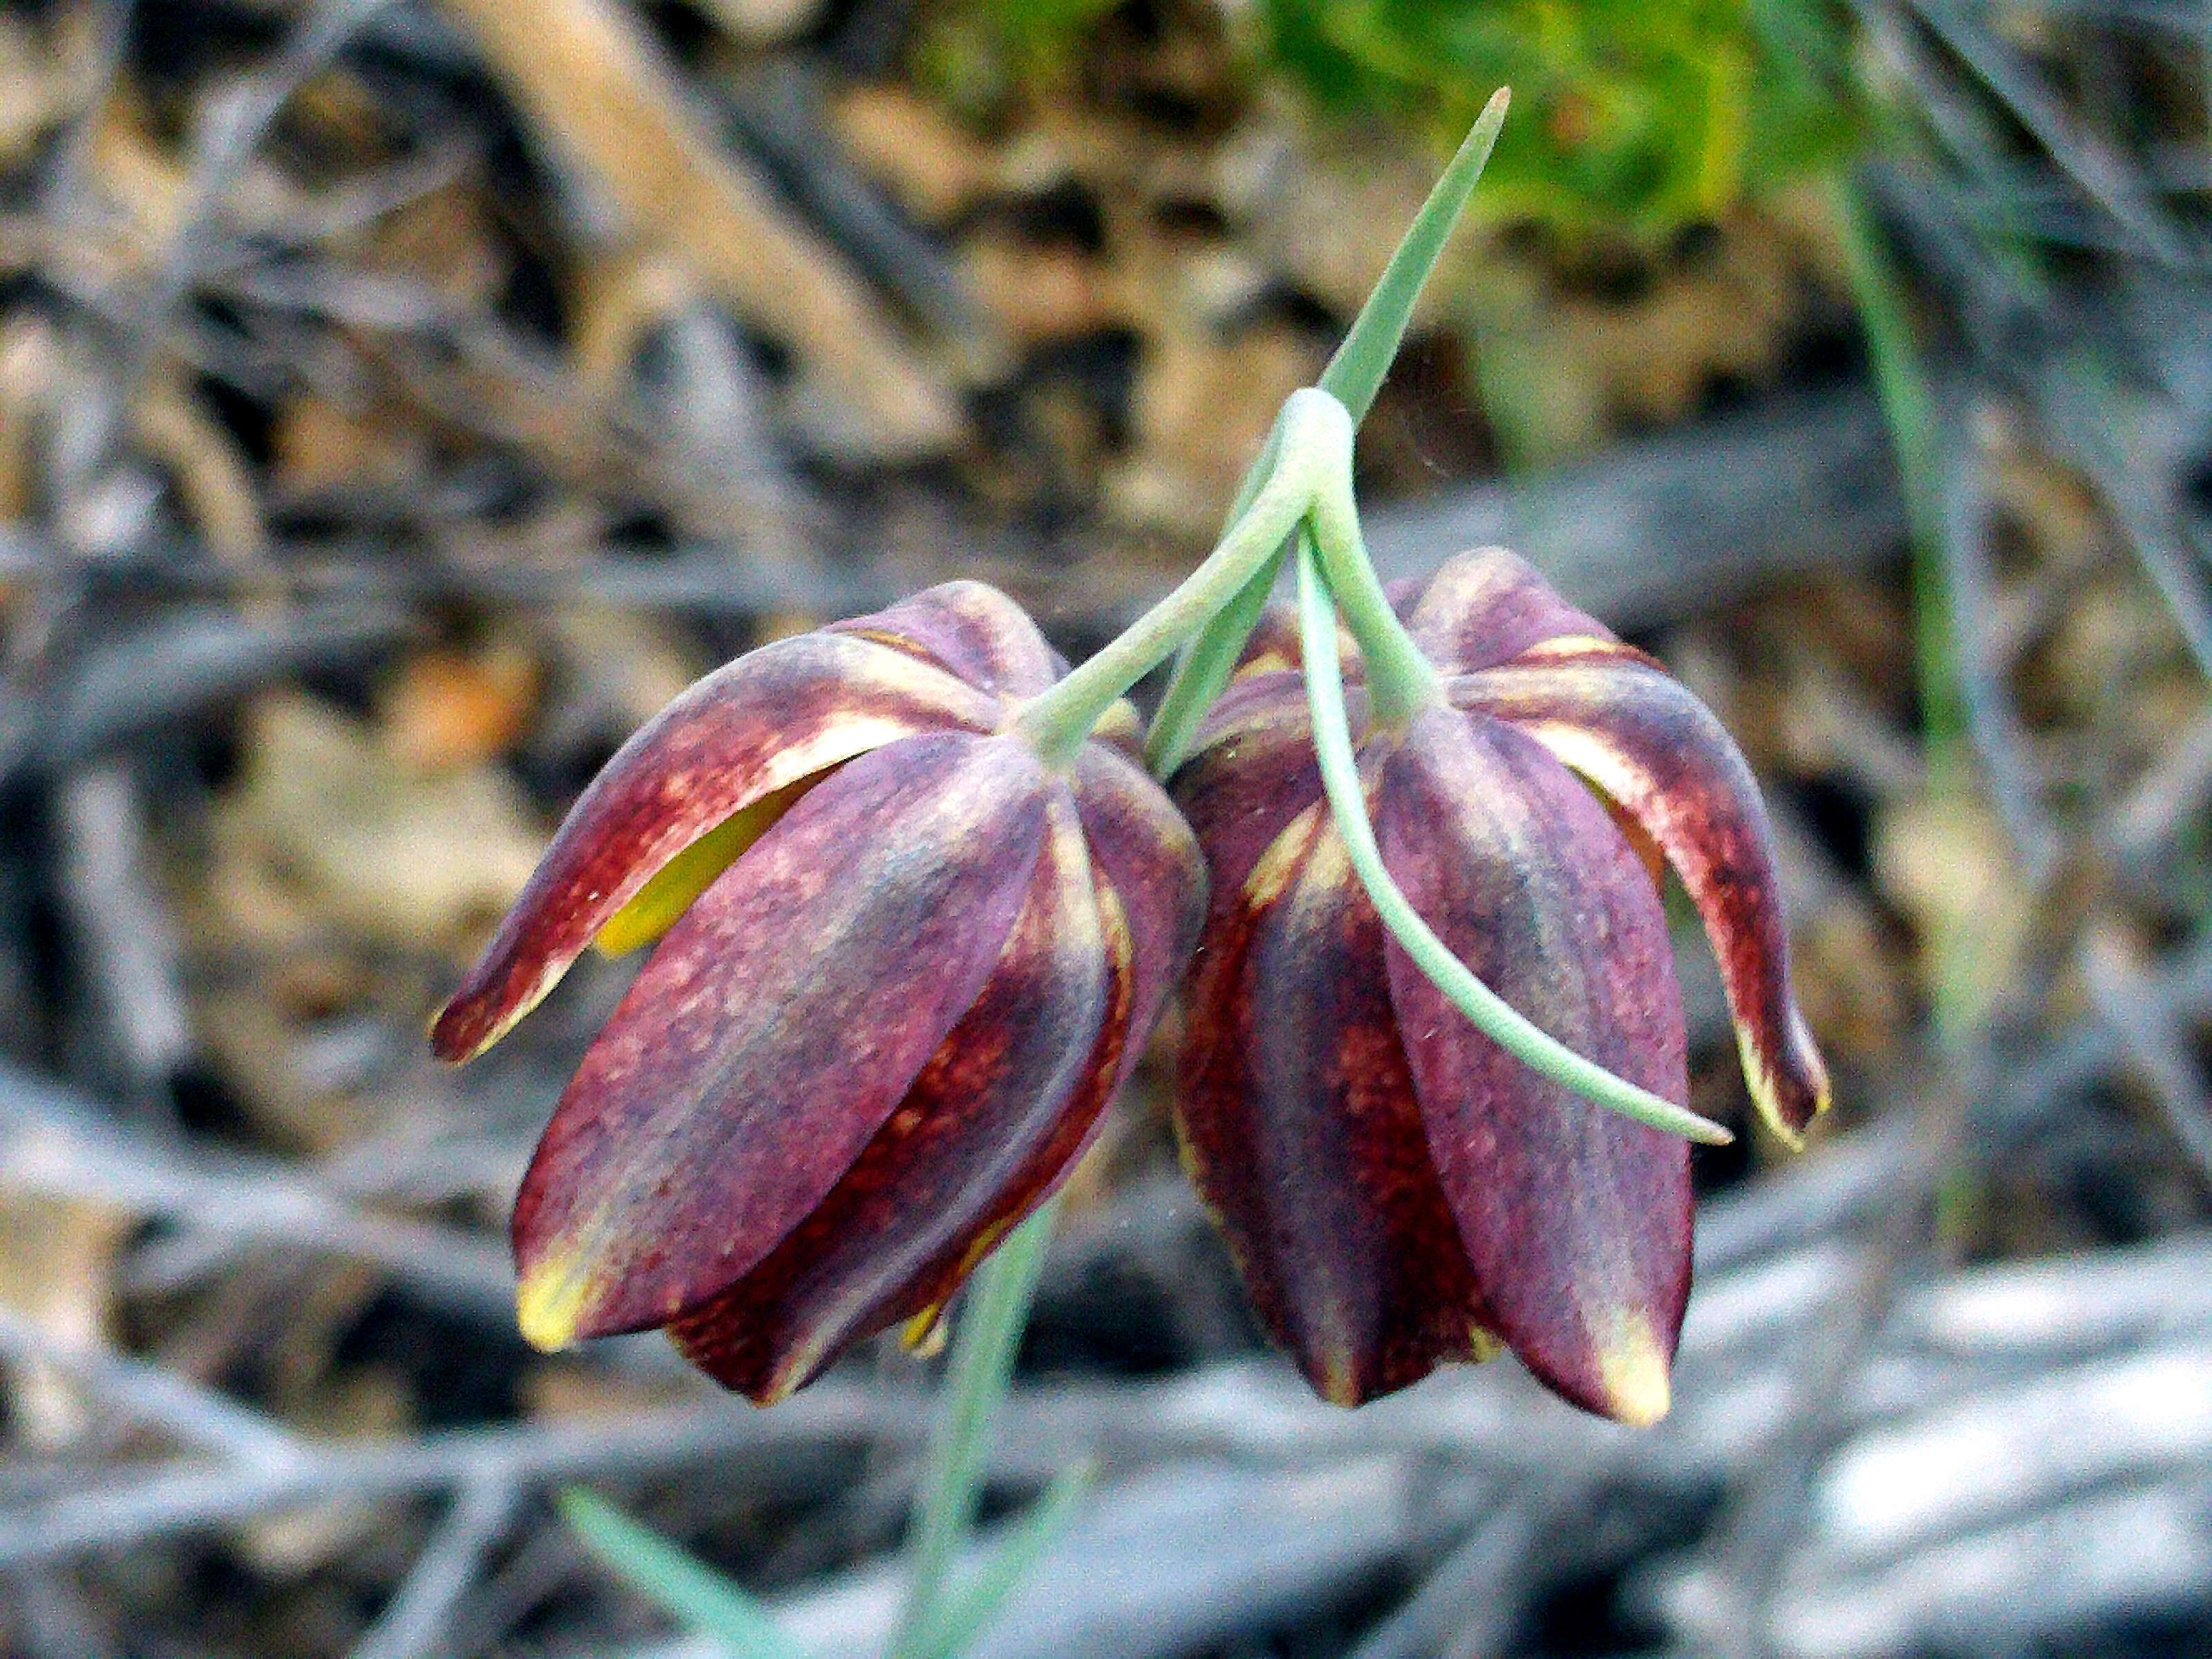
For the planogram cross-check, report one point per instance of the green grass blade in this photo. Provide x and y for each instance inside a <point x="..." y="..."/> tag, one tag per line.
<point x="686" y="1586"/>
<point x="983" y="1347"/>
<point x="1908" y="407"/>
<point x="964" y="1614"/>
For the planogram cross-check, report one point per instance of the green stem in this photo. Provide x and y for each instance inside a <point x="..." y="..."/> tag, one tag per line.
<point x="1204" y="670"/>
<point x="964" y="1616"/>
<point x="1339" y="774"/>
<point x="1355" y="373"/>
<point x="983" y="1347"/>
<point x="1908" y="408"/>
<point x="1314" y="441"/>
<point x="1400" y="678"/>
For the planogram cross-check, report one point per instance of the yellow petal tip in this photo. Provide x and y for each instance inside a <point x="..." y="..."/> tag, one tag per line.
<point x="1338" y="1383"/>
<point x="923" y="1336"/>
<point x="549" y="1305"/>
<point x="1633" y="1368"/>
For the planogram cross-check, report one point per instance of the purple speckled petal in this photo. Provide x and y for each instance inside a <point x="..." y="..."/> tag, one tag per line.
<point x="774" y="1031"/>
<point x="1577" y="1221"/>
<point x="1301" y="1128"/>
<point x="970" y="629"/>
<point x="991" y="1123"/>
<point x="771" y="720"/>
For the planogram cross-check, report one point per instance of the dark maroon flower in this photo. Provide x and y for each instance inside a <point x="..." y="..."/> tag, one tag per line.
<point x="905" y="965"/>
<point x="1398" y="1191"/>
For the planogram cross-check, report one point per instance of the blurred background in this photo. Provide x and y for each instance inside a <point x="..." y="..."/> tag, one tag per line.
<point x="400" y="399"/>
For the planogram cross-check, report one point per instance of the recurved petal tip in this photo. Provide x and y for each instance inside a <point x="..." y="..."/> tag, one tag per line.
<point x="1789" y="1086"/>
<point x="769" y="720"/>
<point x="773" y="1032"/>
<point x="1621" y="721"/>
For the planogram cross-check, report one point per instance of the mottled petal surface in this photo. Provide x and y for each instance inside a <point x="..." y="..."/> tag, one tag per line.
<point x="1483" y="607"/>
<point x="1151" y="880"/>
<point x="1121" y="727"/>
<point x="1301" y="1130"/>
<point x="970" y="629"/>
<point x="1621" y="721"/>
<point x="1275" y="647"/>
<point x="1250" y="772"/>
<point x="996" y="1114"/>
<point x="774" y="1031"/>
<point x="1576" y="1220"/>
<point x="761" y="723"/>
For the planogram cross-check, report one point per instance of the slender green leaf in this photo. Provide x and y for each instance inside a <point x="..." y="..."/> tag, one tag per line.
<point x="1908" y="407"/>
<point x="686" y="1586"/>
<point x="1356" y="372"/>
<point x="983" y="1347"/>
<point x="962" y="1613"/>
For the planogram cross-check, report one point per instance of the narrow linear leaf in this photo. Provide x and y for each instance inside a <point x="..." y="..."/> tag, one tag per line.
<point x="1355" y="371"/>
<point x="1908" y="407"/>
<point x="1354" y="374"/>
<point x="686" y="1586"/>
<point x="984" y="1349"/>
<point x="962" y="1615"/>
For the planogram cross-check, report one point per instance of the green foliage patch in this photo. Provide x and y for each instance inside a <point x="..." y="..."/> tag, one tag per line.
<point x="1631" y="118"/>
<point x="1634" y="117"/>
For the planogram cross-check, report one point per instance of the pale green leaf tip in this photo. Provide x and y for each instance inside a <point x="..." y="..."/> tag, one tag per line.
<point x="1706" y="1133"/>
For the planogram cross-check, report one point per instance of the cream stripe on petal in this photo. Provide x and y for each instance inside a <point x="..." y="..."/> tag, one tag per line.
<point x="831" y="744"/>
<point x="1614" y="772"/>
<point x="1566" y="647"/>
<point x="761" y="723"/>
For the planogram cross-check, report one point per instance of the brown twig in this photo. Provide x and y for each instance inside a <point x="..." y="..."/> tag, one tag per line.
<point x="590" y="78"/>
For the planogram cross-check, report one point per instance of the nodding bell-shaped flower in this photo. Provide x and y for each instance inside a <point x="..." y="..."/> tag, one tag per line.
<point x="903" y="966"/>
<point x="1398" y="1191"/>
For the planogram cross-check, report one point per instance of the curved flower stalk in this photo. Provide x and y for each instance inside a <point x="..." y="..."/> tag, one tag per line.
<point x="1399" y="1191"/>
<point x="905" y="965"/>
